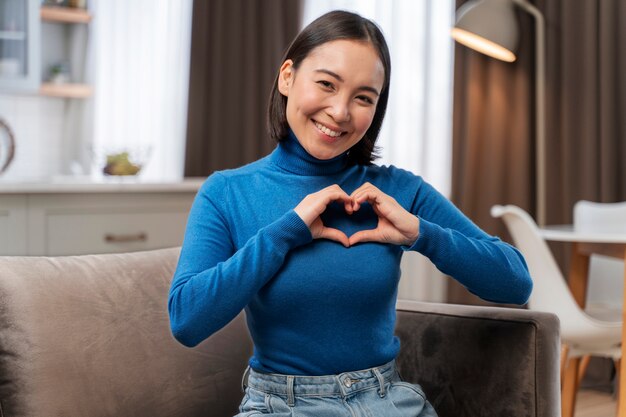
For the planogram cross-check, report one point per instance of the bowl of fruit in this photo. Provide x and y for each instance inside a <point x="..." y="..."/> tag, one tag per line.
<point x="122" y="162"/>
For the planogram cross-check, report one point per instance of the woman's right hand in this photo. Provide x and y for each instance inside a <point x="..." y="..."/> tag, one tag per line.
<point x="313" y="205"/>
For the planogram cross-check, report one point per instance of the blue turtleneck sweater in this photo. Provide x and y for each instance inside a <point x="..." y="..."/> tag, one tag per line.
<point x="314" y="307"/>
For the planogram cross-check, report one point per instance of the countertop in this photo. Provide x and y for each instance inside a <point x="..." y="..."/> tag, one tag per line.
<point x="69" y="184"/>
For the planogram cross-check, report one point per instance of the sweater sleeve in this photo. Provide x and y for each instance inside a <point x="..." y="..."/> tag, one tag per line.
<point x="213" y="282"/>
<point x="484" y="264"/>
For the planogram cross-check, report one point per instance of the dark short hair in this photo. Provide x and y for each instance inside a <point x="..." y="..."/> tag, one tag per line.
<point x="329" y="27"/>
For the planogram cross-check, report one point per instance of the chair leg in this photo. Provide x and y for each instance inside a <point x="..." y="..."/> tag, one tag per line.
<point x="570" y="387"/>
<point x="584" y="363"/>
<point x="564" y="357"/>
<point x="618" y="364"/>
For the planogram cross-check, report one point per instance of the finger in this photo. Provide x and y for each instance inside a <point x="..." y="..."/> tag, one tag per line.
<point x="367" y="195"/>
<point x="364" y="236"/>
<point x="334" y="188"/>
<point x="336" y="193"/>
<point x="364" y="186"/>
<point x="371" y="196"/>
<point x="313" y="205"/>
<point x="348" y="206"/>
<point x="336" y="235"/>
<point x="343" y="198"/>
<point x="359" y="191"/>
<point x="346" y="200"/>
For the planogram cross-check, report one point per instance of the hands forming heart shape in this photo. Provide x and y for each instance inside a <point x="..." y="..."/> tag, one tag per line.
<point x="395" y="224"/>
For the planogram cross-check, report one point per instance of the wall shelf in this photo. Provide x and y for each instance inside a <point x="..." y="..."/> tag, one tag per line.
<point x="64" y="14"/>
<point x="66" y="90"/>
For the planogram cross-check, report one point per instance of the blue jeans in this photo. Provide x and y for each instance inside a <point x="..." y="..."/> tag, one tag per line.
<point x="374" y="392"/>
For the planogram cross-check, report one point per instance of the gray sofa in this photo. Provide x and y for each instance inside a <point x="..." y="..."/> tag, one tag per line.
<point x="89" y="336"/>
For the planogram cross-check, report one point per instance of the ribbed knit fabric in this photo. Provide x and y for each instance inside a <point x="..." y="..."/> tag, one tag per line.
<point x="315" y="307"/>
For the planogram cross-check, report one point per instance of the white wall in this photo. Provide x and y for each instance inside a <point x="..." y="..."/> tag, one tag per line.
<point x="49" y="131"/>
<point x="38" y="127"/>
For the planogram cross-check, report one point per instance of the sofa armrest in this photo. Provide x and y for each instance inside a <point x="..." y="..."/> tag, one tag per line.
<point x="481" y="361"/>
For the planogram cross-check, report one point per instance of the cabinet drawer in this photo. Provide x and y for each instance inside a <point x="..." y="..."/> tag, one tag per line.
<point x="12" y="225"/>
<point x="96" y="232"/>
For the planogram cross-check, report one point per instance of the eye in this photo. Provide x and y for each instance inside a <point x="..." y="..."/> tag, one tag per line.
<point x="365" y="99"/>
<point x="326" y="84"/>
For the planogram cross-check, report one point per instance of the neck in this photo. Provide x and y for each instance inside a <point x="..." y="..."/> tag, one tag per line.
<point x="291" y="156"/>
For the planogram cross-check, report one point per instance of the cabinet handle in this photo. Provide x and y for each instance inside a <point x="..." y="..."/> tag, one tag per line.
<point x="137" y="237"/>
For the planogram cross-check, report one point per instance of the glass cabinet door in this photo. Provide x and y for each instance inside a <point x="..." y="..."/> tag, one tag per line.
<point x="19" y="45"/>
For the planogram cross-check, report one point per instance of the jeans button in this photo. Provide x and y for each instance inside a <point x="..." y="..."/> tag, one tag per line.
<point x="347" y="382"/>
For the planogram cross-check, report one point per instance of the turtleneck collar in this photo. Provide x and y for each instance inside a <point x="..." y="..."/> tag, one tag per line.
<point x="291" y="156"/>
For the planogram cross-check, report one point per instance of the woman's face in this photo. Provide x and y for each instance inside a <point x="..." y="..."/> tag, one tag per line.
<point x="332" y="96"/>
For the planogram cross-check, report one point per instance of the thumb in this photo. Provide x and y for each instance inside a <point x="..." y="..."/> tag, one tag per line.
<point x="334" y="234"/>
<point x="364" y="236"/>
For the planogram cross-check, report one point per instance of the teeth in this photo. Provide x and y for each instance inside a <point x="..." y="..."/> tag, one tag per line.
<point x="327" y="131"/>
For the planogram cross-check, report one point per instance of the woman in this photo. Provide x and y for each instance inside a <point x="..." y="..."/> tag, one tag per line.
<point x="309" y="240"/>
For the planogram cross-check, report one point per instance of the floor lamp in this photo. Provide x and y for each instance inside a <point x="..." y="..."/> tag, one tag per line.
<point x="490" y="27"/>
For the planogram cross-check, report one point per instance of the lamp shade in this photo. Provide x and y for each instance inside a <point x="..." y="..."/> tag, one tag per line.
<point x="489" y="27"/>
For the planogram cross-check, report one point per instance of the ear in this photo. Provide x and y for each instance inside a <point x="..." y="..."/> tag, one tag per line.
<point x="285" y="77"/>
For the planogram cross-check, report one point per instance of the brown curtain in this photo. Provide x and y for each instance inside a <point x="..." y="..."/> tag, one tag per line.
<point x="236" y="48"/>
<point x="493" y="126"/>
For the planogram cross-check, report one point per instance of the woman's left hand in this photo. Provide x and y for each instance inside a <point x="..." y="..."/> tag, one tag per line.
<point x="395" y="224"/>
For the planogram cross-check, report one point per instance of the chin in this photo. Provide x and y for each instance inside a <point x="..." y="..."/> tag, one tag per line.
<point x="324" y="155"/>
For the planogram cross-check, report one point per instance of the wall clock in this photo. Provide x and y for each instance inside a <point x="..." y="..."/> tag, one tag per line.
<point x="7" y="146"/>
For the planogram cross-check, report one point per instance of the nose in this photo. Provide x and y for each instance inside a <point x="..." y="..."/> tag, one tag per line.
<point x="339" y="110"/>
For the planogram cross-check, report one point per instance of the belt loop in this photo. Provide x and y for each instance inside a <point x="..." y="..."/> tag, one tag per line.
<point x="291" y="401"/>
<point x="381" y="382"/>
<point x="244" y="379"/>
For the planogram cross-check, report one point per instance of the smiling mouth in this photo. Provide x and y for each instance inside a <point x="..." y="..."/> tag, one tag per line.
<point x="325" y="130"/>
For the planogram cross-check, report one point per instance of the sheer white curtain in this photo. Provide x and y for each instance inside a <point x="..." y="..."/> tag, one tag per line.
<point x="417" y="132"/>
<point x="140" y="61"/>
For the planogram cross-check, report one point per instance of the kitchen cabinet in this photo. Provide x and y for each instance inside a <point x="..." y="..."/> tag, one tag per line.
<point x="20" y="39"/>
<point x="13" y="225"/>
<point x="33" y="39"/>
<point x="89" y="219"/>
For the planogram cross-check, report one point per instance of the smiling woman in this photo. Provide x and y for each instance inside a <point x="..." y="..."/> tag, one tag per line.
<point x="309" y="240"/>
<point x="332" y="95"/>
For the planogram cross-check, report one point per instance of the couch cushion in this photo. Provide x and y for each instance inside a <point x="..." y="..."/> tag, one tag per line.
<point x="89" y="336"/>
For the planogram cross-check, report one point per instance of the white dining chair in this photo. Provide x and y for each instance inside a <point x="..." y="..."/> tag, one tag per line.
<point x="606" y="275"/>
<point x="581" y="333"/>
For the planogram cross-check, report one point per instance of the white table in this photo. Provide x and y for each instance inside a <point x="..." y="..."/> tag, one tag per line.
<point x="584" y="244"/>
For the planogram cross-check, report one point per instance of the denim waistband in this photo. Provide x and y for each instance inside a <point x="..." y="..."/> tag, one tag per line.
<point x="325" y="385"/>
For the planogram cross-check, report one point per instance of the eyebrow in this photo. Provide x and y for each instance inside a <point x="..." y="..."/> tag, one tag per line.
<point x="338" y="77"/>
